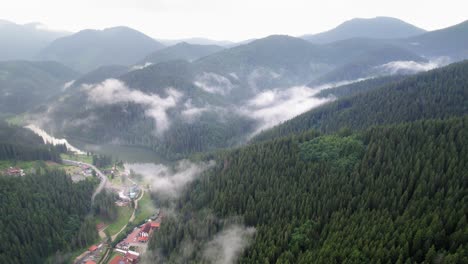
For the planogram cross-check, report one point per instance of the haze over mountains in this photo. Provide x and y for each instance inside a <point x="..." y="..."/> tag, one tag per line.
<point x="347" y="146"/>
<point x="377" y="28"/>
<point x="89" y="49"/>
<point x="21" y="42"/>
<point x="136" y="91"/>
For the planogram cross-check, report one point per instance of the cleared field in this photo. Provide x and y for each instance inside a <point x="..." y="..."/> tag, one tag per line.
<point x="81" y="158"/>
<point x="145" y="208"/>
<point x="25" y="165"/>
<point x="121" y="221"/>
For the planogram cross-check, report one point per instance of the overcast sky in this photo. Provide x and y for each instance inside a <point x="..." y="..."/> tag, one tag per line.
<point x="227" y="19"/>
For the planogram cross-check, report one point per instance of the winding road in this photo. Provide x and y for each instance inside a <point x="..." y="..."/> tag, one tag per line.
<point x="101" y="175"/>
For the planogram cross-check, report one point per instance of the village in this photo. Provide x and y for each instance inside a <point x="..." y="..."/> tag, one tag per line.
<point x="125" y="240"/>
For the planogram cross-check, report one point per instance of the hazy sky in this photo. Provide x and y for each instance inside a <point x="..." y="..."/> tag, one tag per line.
<point x="227" y="19"/>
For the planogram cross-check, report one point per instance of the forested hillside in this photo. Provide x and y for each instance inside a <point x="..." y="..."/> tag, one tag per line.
<point x="26" y="84"/>
<point x="439" y="93"/>
<point x="392" y="194"/>
<point x="42" y="214"/>
<point x="17" y="143"/>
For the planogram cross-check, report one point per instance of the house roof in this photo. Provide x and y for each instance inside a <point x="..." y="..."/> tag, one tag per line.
<point x="143" y="238"/>
<point x="146" y="228"/>
<point x="92" y="248"/>
<point x="90" y="262"/>
<point x="155" y="224"/>
<point x="116" y="260"/>
<point x="131" y="256"/>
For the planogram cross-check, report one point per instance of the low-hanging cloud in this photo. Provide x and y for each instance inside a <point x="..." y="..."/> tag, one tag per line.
<point x="214" y="83"/>
<point x="48" y="139"/>
<point x="226" y="247"/>
<point x="272" y="107"/>
<point x="169" y="182"/>
<point x="191" y="112"/>
<point x="141" y="66"/>
<point x="67" y="85"/>
<point x="113" y="91"/>
<point x="411" y="67"/>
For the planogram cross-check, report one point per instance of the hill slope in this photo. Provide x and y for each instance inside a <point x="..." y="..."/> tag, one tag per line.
<point x="89" y="49"/>
<point x="439" y="93"/>
<point x="181" y="51"/>
<point x="389" y="194"/>
<point x="25" y="84"/>
<point x="377" y="28"/>
<point x="451" y="41"/>
<point x="23" y="42"/>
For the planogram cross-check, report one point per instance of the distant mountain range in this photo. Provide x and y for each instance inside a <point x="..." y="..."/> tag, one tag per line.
<point x="22" y="42"/>
<point x="181" y="51"/>
<point x="188" y="97"/>
<point x="25" y="85"/>
<point x="89" y="49"/>
<point x="377" y="28"/>
<point x="197" y="41"/>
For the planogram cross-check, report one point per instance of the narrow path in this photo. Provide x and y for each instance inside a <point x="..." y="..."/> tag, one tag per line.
<point x="98" y="173"/>
<point x="131" y="217"/>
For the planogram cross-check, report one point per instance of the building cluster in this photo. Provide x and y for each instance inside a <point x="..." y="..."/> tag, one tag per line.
<point x="13" y="171"/>
<point x="128" y="257"/>
<point x="125" y="196"/>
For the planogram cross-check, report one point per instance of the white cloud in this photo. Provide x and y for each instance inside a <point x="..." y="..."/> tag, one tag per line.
<point x="227" y="246"/>
<point x="272" y="107"/>
<point x="67" y="85"/>
<point x="410" y="67"/>
<point x="113" y="91"/>
<point x="260" y="74"/>
<point x="167" y="182"/>
<point x="141" y="66"/>
<point x="48" y="139"/>
<point x="191" y="112"/>
<point x="214" y="83"/>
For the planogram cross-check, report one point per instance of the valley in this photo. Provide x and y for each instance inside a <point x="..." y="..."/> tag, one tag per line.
<point x="345" y="146"/>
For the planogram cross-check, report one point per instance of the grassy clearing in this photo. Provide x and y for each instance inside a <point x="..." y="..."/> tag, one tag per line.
<point x="18" y="120"/>
<point x="145" y="208"/>
<point x="81" y="158"/>
<point x="122" y="219"/>
<point x="25" y="165"/>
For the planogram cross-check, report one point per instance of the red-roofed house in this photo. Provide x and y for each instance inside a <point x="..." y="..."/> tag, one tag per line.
<point x="131" y="257"/>
<point x="90" y="262"/>
<point x="116" y="260"/>
<point x="155" y="225"/>
<point x="146" y="228"/>
<point x="143" y="239"/>
<point x="93" y="248"/>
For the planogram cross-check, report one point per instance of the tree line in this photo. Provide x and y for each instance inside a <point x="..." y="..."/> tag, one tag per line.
<point x="42" y="214"/>
<point x="392" y="194"/>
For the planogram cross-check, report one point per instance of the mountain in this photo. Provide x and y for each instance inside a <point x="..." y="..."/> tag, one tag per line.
<point x="23" y="42"/>
<point x="377" y="28"/>
<point x="90" y="49"/>
<point x="440" y="93"/>
<point x="196" y="41"/>
<point x="373" y="62"/>
<point x="181" y="51"/>
<point x="100" y="74"/>
<point x="274" y="61"/>
<point x="26" y="84"/>
<point x="179" y="107"/>
<point x="451" y="42"/>
<point x="390" y="194"/>
<point x="158" y="107"/>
